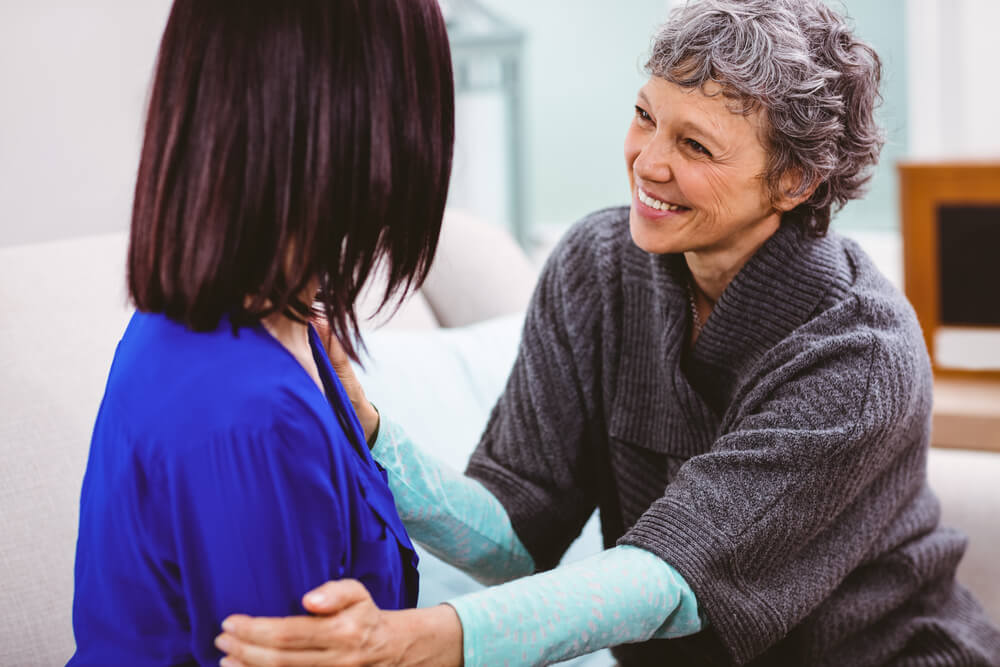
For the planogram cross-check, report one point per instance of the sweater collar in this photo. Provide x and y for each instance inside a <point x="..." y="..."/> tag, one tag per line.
<point x="776" y="292"/>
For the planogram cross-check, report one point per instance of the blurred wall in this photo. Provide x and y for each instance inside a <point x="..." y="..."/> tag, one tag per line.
<point x="882" y="23"/>
<point x="73" y="82"/>
<point x="74" y="77"/>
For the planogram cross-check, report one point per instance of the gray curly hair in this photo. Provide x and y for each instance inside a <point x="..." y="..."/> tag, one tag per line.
<point x="798" y="61"/>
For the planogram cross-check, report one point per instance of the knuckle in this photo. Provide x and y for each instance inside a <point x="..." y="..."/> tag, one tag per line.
<point x="351" y="628"/>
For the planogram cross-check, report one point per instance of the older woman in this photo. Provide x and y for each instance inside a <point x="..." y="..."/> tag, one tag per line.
<point x="743" y="397"/>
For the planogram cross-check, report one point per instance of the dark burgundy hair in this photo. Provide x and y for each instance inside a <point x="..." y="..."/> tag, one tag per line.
<point x="288" y="141"/>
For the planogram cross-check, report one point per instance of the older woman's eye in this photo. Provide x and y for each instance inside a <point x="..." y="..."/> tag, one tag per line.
<point x="698" y="147"/>
<point x="642" y="115"/>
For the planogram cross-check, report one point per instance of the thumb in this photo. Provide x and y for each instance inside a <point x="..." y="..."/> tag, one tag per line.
<point x="334" y="596"/>
<point x="334" y="350"/>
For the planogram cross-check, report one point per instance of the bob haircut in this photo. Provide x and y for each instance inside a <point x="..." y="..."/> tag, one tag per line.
<point x="817" y="84"/>
<point x="286" y="143"/>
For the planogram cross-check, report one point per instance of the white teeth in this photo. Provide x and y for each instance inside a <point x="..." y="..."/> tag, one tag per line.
<point x="656" y="203"/>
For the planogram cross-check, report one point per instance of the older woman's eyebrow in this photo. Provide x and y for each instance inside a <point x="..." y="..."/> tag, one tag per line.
<point x="688" y="125"/>
<point x="695" y="128"/>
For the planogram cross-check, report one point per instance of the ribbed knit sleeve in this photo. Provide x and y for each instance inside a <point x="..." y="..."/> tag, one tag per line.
<point x="535" y="454"/>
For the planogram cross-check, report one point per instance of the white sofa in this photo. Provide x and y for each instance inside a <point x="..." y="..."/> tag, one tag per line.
<point x="437" y="368"/>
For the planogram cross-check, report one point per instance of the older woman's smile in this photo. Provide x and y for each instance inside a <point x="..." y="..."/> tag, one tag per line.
<point x="656" y="207"/>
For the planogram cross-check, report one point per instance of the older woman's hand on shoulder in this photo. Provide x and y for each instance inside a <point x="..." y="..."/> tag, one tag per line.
<point x="348" y="629"/>
<point x="367" y="414"/>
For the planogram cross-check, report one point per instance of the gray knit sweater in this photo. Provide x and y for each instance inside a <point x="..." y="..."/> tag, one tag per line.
<point x="779" y="465"/>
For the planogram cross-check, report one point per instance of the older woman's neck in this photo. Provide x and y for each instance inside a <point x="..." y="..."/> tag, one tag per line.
<point x="712" y="269"/>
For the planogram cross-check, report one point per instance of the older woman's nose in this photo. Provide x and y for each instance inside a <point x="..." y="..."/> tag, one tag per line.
<point x="655" y="162"/>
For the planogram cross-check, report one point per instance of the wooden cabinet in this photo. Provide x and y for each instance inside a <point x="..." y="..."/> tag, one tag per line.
<point x="950" y="224"/>
<point x="966" y="413"/>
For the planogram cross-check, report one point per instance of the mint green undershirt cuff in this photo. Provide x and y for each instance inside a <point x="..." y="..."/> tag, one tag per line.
<point x="619" y="596"/>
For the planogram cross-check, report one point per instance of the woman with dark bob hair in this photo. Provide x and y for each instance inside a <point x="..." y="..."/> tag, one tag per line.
<point x="290" y="149"/>
<point x="741" y="395"/>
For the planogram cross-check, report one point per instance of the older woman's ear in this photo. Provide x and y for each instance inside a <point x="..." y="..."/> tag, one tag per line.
<point x="793" y="189"/>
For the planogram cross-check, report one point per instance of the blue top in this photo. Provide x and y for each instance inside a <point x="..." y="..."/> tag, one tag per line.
<point x="221" y="480"/>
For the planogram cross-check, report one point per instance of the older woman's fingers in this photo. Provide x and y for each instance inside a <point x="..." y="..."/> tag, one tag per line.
<point x="250" y="655"/>
<point x="334" y="596"/>
<point x="367" y="414"/>
<point x="292" y="632"/>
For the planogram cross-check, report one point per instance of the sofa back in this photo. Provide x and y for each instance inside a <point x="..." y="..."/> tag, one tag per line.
<point x="62" y="311"/>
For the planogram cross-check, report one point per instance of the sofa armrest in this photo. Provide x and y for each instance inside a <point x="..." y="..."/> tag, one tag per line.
<point x="966" y="484"/>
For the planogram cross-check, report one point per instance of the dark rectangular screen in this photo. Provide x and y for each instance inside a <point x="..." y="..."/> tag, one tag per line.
<point x="969" y="264"/>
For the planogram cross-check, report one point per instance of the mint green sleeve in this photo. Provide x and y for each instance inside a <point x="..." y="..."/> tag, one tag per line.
<point x="621" y="595"/>
<point x="453" y="516"/>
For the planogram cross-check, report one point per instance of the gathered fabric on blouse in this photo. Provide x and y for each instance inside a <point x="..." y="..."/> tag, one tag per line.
<point x="222" y="480"/>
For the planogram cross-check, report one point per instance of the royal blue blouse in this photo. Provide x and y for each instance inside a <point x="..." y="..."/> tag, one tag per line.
<point x="221" y="480"/>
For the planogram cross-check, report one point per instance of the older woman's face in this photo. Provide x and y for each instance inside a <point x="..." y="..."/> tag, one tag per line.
<point x="696" y="172"/>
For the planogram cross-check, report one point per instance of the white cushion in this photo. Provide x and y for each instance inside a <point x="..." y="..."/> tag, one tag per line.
<point x="413" y="313"/>
<point x="479" y="273"/>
